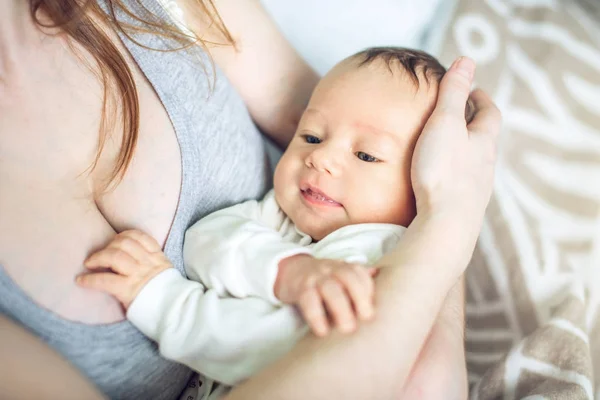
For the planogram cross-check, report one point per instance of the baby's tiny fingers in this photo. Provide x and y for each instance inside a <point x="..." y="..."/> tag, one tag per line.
<point x="359" y="287"/>
<point x="373" y="272"/>
<point x="338" y="305"/>
<point x="113" y="258"/>
<point x="130" y="246"/>
<point x="148" y="242"/>
<point x="103" y="281"/>
<point x="366" y="278"/>
<point x="312" y="310"/>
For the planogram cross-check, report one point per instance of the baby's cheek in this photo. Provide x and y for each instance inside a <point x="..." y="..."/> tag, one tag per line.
<point x="405" y="209"/>
<point x="409" y="213"/>
<point x="278" y="176"/>
<point x="394" y="204"/>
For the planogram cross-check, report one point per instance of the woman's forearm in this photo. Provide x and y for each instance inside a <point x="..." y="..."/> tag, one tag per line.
<point x="409" y="296"/>
<point x="26" y="360"/>
<point x="440" y="371"/>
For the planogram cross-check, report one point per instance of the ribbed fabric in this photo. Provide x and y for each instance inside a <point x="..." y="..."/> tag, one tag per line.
<point x="223" y="162"/>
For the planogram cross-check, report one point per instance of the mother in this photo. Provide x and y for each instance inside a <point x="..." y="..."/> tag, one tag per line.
<point x="100" y="132"/>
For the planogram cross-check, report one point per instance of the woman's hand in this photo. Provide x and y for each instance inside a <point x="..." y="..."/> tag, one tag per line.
<point x="326" y="289"/>
<point x="125" y="266"/>
<point x="453" y="164"/>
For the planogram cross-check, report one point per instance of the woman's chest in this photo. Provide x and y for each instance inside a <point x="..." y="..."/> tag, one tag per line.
<point x="55" y="123"/>
<point x="197" y="151"/>
<point x="52" y="210"/>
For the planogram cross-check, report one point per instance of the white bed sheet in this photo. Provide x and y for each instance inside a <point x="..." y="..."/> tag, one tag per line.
<point x="326" y="31"/>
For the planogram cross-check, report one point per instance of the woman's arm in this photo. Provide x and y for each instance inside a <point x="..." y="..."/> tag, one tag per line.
<point x="378" y="358"/>
<point x="452" y="176"/>
<point x="274" y="81"/>
<point x="441" y="371"/>
<point x="31" y="370"/>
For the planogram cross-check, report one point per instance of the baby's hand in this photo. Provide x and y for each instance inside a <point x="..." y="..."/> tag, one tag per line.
<point x="133" y="259"/>
<point x="322" y="288"/>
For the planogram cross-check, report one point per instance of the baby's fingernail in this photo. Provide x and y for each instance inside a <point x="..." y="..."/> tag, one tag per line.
<point x="319" y="329"/>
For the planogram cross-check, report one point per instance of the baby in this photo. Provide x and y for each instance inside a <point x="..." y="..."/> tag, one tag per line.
<point x="262" y="273"/>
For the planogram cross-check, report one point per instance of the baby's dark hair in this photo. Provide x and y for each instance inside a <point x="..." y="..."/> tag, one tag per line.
<point x="413" y="62"/>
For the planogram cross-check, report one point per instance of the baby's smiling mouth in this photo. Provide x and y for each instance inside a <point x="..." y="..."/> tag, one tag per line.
<point x="317" y="197"/>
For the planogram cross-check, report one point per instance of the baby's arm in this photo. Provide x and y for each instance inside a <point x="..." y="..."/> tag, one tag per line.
<point x="226" y="339"/>
<point x="336" y="287"/>
<point x="236" y="251"/>
<point x="241" y="252"/>
<point x="327" y="292"/>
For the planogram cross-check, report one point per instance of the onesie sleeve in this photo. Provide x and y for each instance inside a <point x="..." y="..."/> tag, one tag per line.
<point x="360" y="243"/>
<point x="225" y="339"/>
<point x="236" y="251"/>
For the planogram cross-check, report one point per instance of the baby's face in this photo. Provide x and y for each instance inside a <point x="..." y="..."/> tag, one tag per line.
<point x="349" y="161"/>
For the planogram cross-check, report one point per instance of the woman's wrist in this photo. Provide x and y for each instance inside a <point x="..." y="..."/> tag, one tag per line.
<point x="457" y="207"/>
<point x="440" y="242"/>
<point x="462" y="220"/>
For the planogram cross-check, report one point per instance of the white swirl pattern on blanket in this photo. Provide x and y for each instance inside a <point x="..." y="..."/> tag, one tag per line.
<point x="532" y="296"/>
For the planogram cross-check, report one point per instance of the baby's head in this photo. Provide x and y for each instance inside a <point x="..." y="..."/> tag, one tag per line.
<point x="349" y="161"/>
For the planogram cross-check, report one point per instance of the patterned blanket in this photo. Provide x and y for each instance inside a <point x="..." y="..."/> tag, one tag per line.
<point x="532" y="329"/>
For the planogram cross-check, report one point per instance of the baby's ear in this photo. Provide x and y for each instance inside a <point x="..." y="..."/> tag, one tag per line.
<point x="469" y="111"/>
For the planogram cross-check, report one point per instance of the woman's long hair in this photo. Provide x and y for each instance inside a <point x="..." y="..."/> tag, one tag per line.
<point x="85" y="22"/>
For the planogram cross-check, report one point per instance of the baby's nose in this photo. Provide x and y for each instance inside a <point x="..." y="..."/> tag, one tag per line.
<point x="325" y="160"/>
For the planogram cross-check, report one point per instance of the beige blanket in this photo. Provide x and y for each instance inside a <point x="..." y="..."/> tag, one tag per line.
<point x="532" y="330"/>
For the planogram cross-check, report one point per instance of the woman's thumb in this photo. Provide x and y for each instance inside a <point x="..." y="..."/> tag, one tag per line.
<point x="456" y="87"/>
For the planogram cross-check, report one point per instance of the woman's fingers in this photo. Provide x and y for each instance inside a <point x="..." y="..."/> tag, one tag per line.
<point x="338" y="305"/>
<point x="313" y="312"/>
<point x="113" y="258"/>
<point x="487" y="116"/>
<point x="455" y="88"/>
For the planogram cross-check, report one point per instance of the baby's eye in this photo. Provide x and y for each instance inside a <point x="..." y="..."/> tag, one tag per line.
<point x="311" y="139"/>
<point x="366" y="157"/>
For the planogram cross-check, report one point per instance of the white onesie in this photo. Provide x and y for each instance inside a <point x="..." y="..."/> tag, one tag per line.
<point x="224" y="321"/>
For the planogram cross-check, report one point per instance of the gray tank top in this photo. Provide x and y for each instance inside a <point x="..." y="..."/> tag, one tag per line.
<point x="223" y="162"/>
